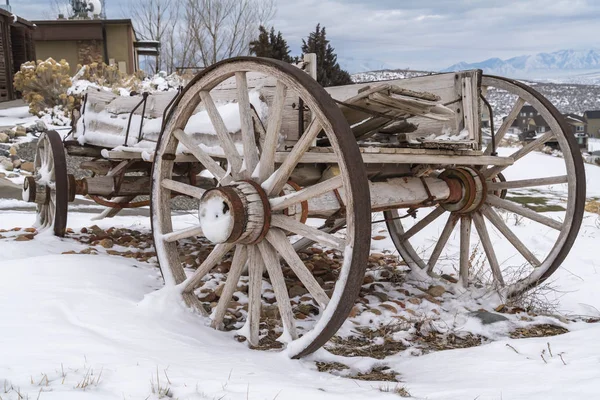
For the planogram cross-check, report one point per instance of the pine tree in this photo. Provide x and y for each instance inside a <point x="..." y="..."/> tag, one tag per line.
<point x="329" y="72"/>
<point x="269" y="44"/>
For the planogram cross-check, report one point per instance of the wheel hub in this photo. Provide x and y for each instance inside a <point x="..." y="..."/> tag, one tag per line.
<point x="472" y="191"/>
<point x="35" y="192"/>
<point x="239" y="213"/>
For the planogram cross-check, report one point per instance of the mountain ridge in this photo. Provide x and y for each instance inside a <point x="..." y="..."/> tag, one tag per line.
<point x="563" y="65"/>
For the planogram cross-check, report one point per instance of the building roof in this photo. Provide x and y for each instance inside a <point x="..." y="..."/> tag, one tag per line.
<point x="593" y="114"/>
<point x="16" y="20"/>
<point x="126" y="21"/>
<point x="575" y="117"/>
<point x="76" y="29"/>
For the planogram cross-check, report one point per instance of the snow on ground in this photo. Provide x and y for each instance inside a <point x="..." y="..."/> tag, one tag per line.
<point x="98" y="327"/>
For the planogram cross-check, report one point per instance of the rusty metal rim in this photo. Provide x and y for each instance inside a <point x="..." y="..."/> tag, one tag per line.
<point x="303" y="204"/>
<point x="60" y="181"/>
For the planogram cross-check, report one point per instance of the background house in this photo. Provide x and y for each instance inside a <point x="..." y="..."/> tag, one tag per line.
<point x="16" y="47"/>
<point x="592" y="119"/>
<point x="84" y="41"/>
<point x="576" y="123"/>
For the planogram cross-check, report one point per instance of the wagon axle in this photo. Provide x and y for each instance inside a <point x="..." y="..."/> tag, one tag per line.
<point x="241" y="212"/>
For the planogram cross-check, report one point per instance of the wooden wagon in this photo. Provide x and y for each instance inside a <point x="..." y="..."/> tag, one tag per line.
<point x="276" y="163"/>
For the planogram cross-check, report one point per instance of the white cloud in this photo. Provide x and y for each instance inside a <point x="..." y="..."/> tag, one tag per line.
<point x="426" y="34"/>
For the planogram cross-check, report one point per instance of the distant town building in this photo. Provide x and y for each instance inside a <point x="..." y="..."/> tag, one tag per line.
<point x="592" y="119"/>
<point x="16" y="47"/>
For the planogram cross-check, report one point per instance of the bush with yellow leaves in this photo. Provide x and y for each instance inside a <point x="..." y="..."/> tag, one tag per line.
<point x="107" y="76"/>
<point x="44" y="85"/>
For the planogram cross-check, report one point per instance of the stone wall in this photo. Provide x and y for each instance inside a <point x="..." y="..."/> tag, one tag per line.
<point x="89" y="51"/>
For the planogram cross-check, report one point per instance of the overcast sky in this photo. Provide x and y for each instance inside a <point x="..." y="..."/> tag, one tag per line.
<point x="420" y="34"/>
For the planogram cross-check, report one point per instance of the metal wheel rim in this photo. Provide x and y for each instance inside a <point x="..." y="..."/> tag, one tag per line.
<point x="50" y="160"/>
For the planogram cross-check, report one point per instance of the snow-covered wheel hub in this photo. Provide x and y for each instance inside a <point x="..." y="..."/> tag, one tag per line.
<point x="238" y="213"/>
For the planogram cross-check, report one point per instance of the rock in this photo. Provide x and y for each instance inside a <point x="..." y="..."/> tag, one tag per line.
<point x="40" y="126"/>
<point x="12" y="151"/>
<point x="9" y="132"/>
<point x="27" y="166"/>
<point x="2" y="175"/>
<point x="389" y="307"/>
<point x="106" y="243"/>
<point x="271" y="312"/>
<point x="375" y="311"/>
<point x="23" y="238"/>
<point x="414" y="300"/>
<point x="379" y="237"/>
<point x="487" y="317"/>
<point x="209" y="297"/>
<point x="20" y="130"/>
<point x="16" y="161"/>
<point x="7" y="165"/>
<point x="219" y="290"/>
<point x="354" y="312"/>
<point x="297" y="290"/>
<point x="436" y="291"/>
<point x="381" y="296"/>
<point x="30" y="230"/>
<point x="13" y="175"/>
<point x="4" y="138"/>
<point x="449" y="278"/>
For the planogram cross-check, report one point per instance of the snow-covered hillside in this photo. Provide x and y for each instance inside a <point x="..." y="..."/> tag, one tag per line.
<point x="567" y="97"/>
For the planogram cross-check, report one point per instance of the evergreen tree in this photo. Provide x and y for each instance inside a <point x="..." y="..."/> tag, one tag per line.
<point x="270" y="44"/>
<point x="329" y="72"/>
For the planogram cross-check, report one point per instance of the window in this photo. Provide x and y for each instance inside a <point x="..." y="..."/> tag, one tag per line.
<point x="542" y="129"/>
<point x="579" y="128"/>
<point x="531" y="114"/>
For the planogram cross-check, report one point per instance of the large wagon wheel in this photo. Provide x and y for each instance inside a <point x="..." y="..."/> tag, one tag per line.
<point x="49" y="184"/>
<point x="534" y="228"/>
<point x="247" y="216"/>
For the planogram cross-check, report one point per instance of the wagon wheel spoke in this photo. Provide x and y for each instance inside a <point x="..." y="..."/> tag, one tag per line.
<point x="275" y="182"/>
<point x="256" y="267"/>
<point x="207" y="161"/>
<point x="285" y="201"/>
<point x="231" y="153"/>
<point x="524" y="212"/>
<point x="291" y="225"/>
<point x="213" y="258"/>
<point x="527" y="183"/>
<point x="507" y="123"/>
<point x="303" y="243"/>
<point x="280" y="242"/>
<point x="271" y="261"/>
<point x="183" y="188"/>
<point x="432" y="216"/>
<point x="488" y="248"/>
<point x="174" y="236"/>
<point x="240" y="256"/>
<point x="267" y="159"/>
<point x="528" y="148"/>
<point x="495" y="219"/>
<point x="441" y="243"/>
<point x="247" y="127"/>
<point x="465" y="243"/>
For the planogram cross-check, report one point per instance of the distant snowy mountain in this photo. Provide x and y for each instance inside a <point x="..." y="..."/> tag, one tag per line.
<point x="356" y="65"/>
<point x="576" y="66"/>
